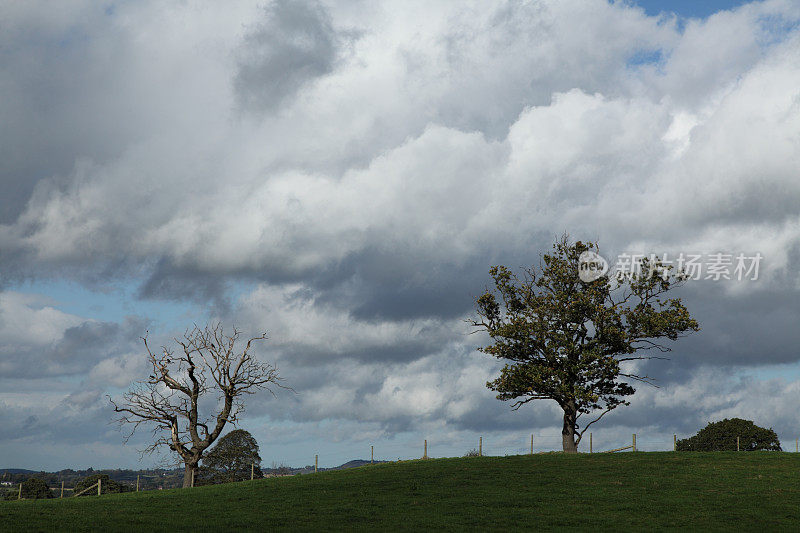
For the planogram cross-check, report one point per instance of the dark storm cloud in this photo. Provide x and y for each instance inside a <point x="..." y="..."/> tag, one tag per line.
<point x="63" y="99"/>
<point x="400" y="351"/>
<point x="399" y="283"/>
<point x="378" y="282"/>
<point x="741" y="330"/>
<point x="91" y="339"/>
<point x="294" y="44"/>
<point x="170" y="282"/>
<point x="490" y="414"/>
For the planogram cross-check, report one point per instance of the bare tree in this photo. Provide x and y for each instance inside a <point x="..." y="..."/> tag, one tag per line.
<point x="169" y="399"/>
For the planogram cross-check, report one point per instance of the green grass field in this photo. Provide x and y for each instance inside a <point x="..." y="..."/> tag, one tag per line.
<point x="612" y="492"/>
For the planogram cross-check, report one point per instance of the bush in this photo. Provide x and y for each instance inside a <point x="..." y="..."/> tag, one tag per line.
<point x="34" y="489"/>
<point x="107" y="486"/>
<point x="472" y="453"/>
<point x="721" y="436"/>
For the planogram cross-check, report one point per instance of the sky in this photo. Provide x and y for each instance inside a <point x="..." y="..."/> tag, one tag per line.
<point x="342" y="175"/>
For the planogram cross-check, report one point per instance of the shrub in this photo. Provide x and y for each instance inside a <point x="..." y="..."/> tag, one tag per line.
<point x="472" y="453"/>
<point x="35" y="488"/>
<point x="107" y="486"/>
<point x="721" y="436"/>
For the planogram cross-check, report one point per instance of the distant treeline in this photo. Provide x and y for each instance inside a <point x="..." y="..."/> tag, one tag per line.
<point x="149" y="479"/>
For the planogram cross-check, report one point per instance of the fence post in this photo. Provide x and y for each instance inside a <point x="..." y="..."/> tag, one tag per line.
<point x="99" y="486"/>
<point x="531" y="443"/>
<point x="19" y="497"/>
<point x="737" y="444"/>
<point x="62" y="490"/>
<point x="634" y="442"/>
<point x="316" y="463"/>
<point x="137" y="482"/>
<point x="590" y="442"/>
<point x="252" y="471"/>
<point x="193" y="478"/>
<point x="372" y="454"/>
<point x="425" y="452"/>
<point x="674" y="442"/>
<point x="796" y="441"/>
<point x="480" y="447"/>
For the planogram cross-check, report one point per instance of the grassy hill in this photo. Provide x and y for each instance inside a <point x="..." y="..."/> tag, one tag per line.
<point x="724" y="490"/>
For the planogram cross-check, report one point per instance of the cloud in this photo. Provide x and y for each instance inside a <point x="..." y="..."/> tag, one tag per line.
<point x="29" y="319"/>
<point x="294" y="44"/>
<point x="326" y="173"/>
<point x="292" y="314"/>
<point x="39" y="340"/>
<point x="442" y="189"/>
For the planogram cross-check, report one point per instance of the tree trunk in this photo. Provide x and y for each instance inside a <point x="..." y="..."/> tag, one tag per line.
<point x="568" y="431"/>
<point x="188" y="478"/>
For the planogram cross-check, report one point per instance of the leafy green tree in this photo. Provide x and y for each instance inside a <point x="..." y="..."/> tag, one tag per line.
<point x="564" y="338"/>
<point x="35" y="488"/>
<point x="721" y="436"/>
<point x="107" y="485"/>
<point x="232" y="459"/>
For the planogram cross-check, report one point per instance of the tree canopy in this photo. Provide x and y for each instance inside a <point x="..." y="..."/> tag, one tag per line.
<point x="233" y="458"/>
<point x="564" y="339"/>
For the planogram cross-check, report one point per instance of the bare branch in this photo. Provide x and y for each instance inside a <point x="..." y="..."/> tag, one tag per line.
<point x="608" y="410"/>
<point x="643" y="379"/>
<point x="168" y="400"/>
<point x="643" y="357"/>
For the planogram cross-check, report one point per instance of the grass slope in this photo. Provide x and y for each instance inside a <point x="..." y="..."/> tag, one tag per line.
<point x="702" y="491"/>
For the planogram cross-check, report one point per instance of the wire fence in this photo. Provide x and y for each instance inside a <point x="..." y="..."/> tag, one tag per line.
<point x="382" y="452"/>
<point x="63" y="491"/>
<point x="378" y="452"/>
<point x="327" y="457"/>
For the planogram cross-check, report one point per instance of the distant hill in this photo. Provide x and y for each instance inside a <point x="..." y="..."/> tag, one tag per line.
<point x="17" y="471"/>
<point x="355" y="463"/>
<point x="309" y="469"/>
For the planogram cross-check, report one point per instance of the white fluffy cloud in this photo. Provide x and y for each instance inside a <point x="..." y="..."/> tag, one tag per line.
<point x="397" y="144"/>
<point x="32" y="320"/>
